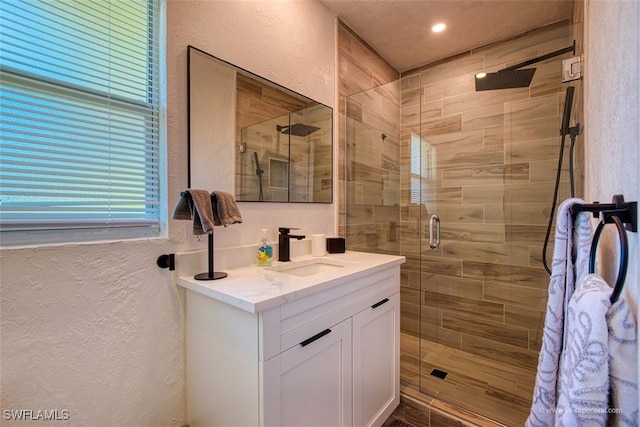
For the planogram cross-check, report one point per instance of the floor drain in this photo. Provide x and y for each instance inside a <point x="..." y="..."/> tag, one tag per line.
<point x="438" y="373"/>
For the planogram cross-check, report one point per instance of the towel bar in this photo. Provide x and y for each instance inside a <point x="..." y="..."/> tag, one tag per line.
<point x="624" y="255"/>
<point x="210" y="274"/>
<point x="623" y="215"/>
<point x="626" y="211"/>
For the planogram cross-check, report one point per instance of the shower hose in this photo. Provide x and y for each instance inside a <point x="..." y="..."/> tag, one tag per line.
<point x="572" y="132"/>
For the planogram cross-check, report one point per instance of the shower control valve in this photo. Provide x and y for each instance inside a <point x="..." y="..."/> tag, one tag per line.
<point x="572" y="69"/>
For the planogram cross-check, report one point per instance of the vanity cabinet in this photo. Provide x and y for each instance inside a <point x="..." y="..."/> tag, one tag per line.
<point x="376" y="361"/>
<point x="330" y="358"/>
<point x="310" y="383"/>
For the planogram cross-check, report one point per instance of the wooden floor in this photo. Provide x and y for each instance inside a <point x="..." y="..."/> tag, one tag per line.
<point x="489" y="388"/>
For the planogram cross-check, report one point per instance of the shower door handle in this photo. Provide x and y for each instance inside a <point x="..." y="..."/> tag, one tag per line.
<point x="434" y="232"/>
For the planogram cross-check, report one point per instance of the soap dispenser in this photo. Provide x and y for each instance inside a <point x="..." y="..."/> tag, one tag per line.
<point x="265" y="250"/>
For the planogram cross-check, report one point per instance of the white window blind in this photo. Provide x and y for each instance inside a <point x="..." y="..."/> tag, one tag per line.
<point x="423" y="170"/>
<point x="79" y="114"/>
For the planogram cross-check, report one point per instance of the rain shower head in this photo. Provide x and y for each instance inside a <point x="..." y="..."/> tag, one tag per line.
<point x="505" y="79"/>
<point x="297" y="129"/>
<point x="514" y="76"/>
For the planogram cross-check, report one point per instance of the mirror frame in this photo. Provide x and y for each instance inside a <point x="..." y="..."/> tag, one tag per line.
<point x="276" y="86"/>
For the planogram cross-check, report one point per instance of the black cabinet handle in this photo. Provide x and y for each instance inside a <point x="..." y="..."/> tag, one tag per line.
<point x="315" y="337"/>
<point x="379" y="303"/>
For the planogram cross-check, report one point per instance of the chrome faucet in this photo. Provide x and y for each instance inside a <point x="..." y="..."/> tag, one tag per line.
<point x="284" y="251"/>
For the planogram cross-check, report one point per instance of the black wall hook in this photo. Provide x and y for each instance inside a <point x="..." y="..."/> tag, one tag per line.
<point x="167" y="261"/>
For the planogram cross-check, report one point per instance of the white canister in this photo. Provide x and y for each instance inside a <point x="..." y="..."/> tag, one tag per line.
<point x="318" y="244"/>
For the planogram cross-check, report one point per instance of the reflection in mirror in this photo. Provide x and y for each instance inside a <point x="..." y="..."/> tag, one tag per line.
<point x="282" y="141"/>
<point x="287" y="158"/>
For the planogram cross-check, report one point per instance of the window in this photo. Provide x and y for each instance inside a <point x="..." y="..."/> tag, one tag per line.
<point x="423" y="170"/>
<point x="79" y="115"/>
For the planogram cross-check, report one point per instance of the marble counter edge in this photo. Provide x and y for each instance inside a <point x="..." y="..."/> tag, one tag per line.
<point x="269" y="293"/>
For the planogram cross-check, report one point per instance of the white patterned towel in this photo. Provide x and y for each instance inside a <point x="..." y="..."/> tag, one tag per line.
<point x="563" y="279"/>
<point x="598" y="375"/>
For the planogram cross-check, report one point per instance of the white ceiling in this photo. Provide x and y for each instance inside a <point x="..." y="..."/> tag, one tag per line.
<point x="400" y="30"/>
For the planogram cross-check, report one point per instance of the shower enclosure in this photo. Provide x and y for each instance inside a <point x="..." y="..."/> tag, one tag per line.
<point x="484" y="162"/>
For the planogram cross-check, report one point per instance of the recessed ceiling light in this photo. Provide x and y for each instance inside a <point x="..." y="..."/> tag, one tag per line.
<point x="438" y="27"/>
<point x="481" y="75"/>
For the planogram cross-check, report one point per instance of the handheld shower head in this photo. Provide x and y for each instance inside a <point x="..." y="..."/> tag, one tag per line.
<point x="566" y="116"/>
<point x="259" y="171"/>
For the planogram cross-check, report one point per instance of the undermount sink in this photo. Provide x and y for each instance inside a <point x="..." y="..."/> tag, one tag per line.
<point x="308" y="267"/>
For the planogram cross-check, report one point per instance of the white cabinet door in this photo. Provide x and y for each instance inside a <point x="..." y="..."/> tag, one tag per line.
<point x="310" y="384"/>
<point x="376" y="362"/>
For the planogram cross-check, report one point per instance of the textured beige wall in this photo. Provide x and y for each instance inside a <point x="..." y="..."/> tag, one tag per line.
<point x="612" y="120"/>
<point x="291" y="43"/>
<point x="97" y="328"/>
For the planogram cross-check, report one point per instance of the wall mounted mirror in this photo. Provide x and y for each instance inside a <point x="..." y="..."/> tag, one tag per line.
<point x="255" y="138"/>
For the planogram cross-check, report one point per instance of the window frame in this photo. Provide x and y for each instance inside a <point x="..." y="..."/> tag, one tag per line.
<point x="38" y="234"/>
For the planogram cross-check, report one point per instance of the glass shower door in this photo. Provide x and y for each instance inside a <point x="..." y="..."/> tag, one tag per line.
<point x="472" y="307"/>
<point x="487" y="169"/>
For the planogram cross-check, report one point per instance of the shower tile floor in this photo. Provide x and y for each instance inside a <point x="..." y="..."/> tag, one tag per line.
<point x="487" y="387"/>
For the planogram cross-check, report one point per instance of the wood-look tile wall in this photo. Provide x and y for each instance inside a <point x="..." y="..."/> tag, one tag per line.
<point x="484" y="289"/>
<point x="369" y="171"/>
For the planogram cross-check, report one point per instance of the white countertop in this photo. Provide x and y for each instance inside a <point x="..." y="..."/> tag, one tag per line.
<point x="255" y="289"/>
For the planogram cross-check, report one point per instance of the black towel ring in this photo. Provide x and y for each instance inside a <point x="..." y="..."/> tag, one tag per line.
<point x="624" y="254"/>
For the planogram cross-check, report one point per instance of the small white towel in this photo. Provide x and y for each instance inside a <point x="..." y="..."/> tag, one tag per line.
<point x="598" y="375"/>
<point x="563" y="278"/>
